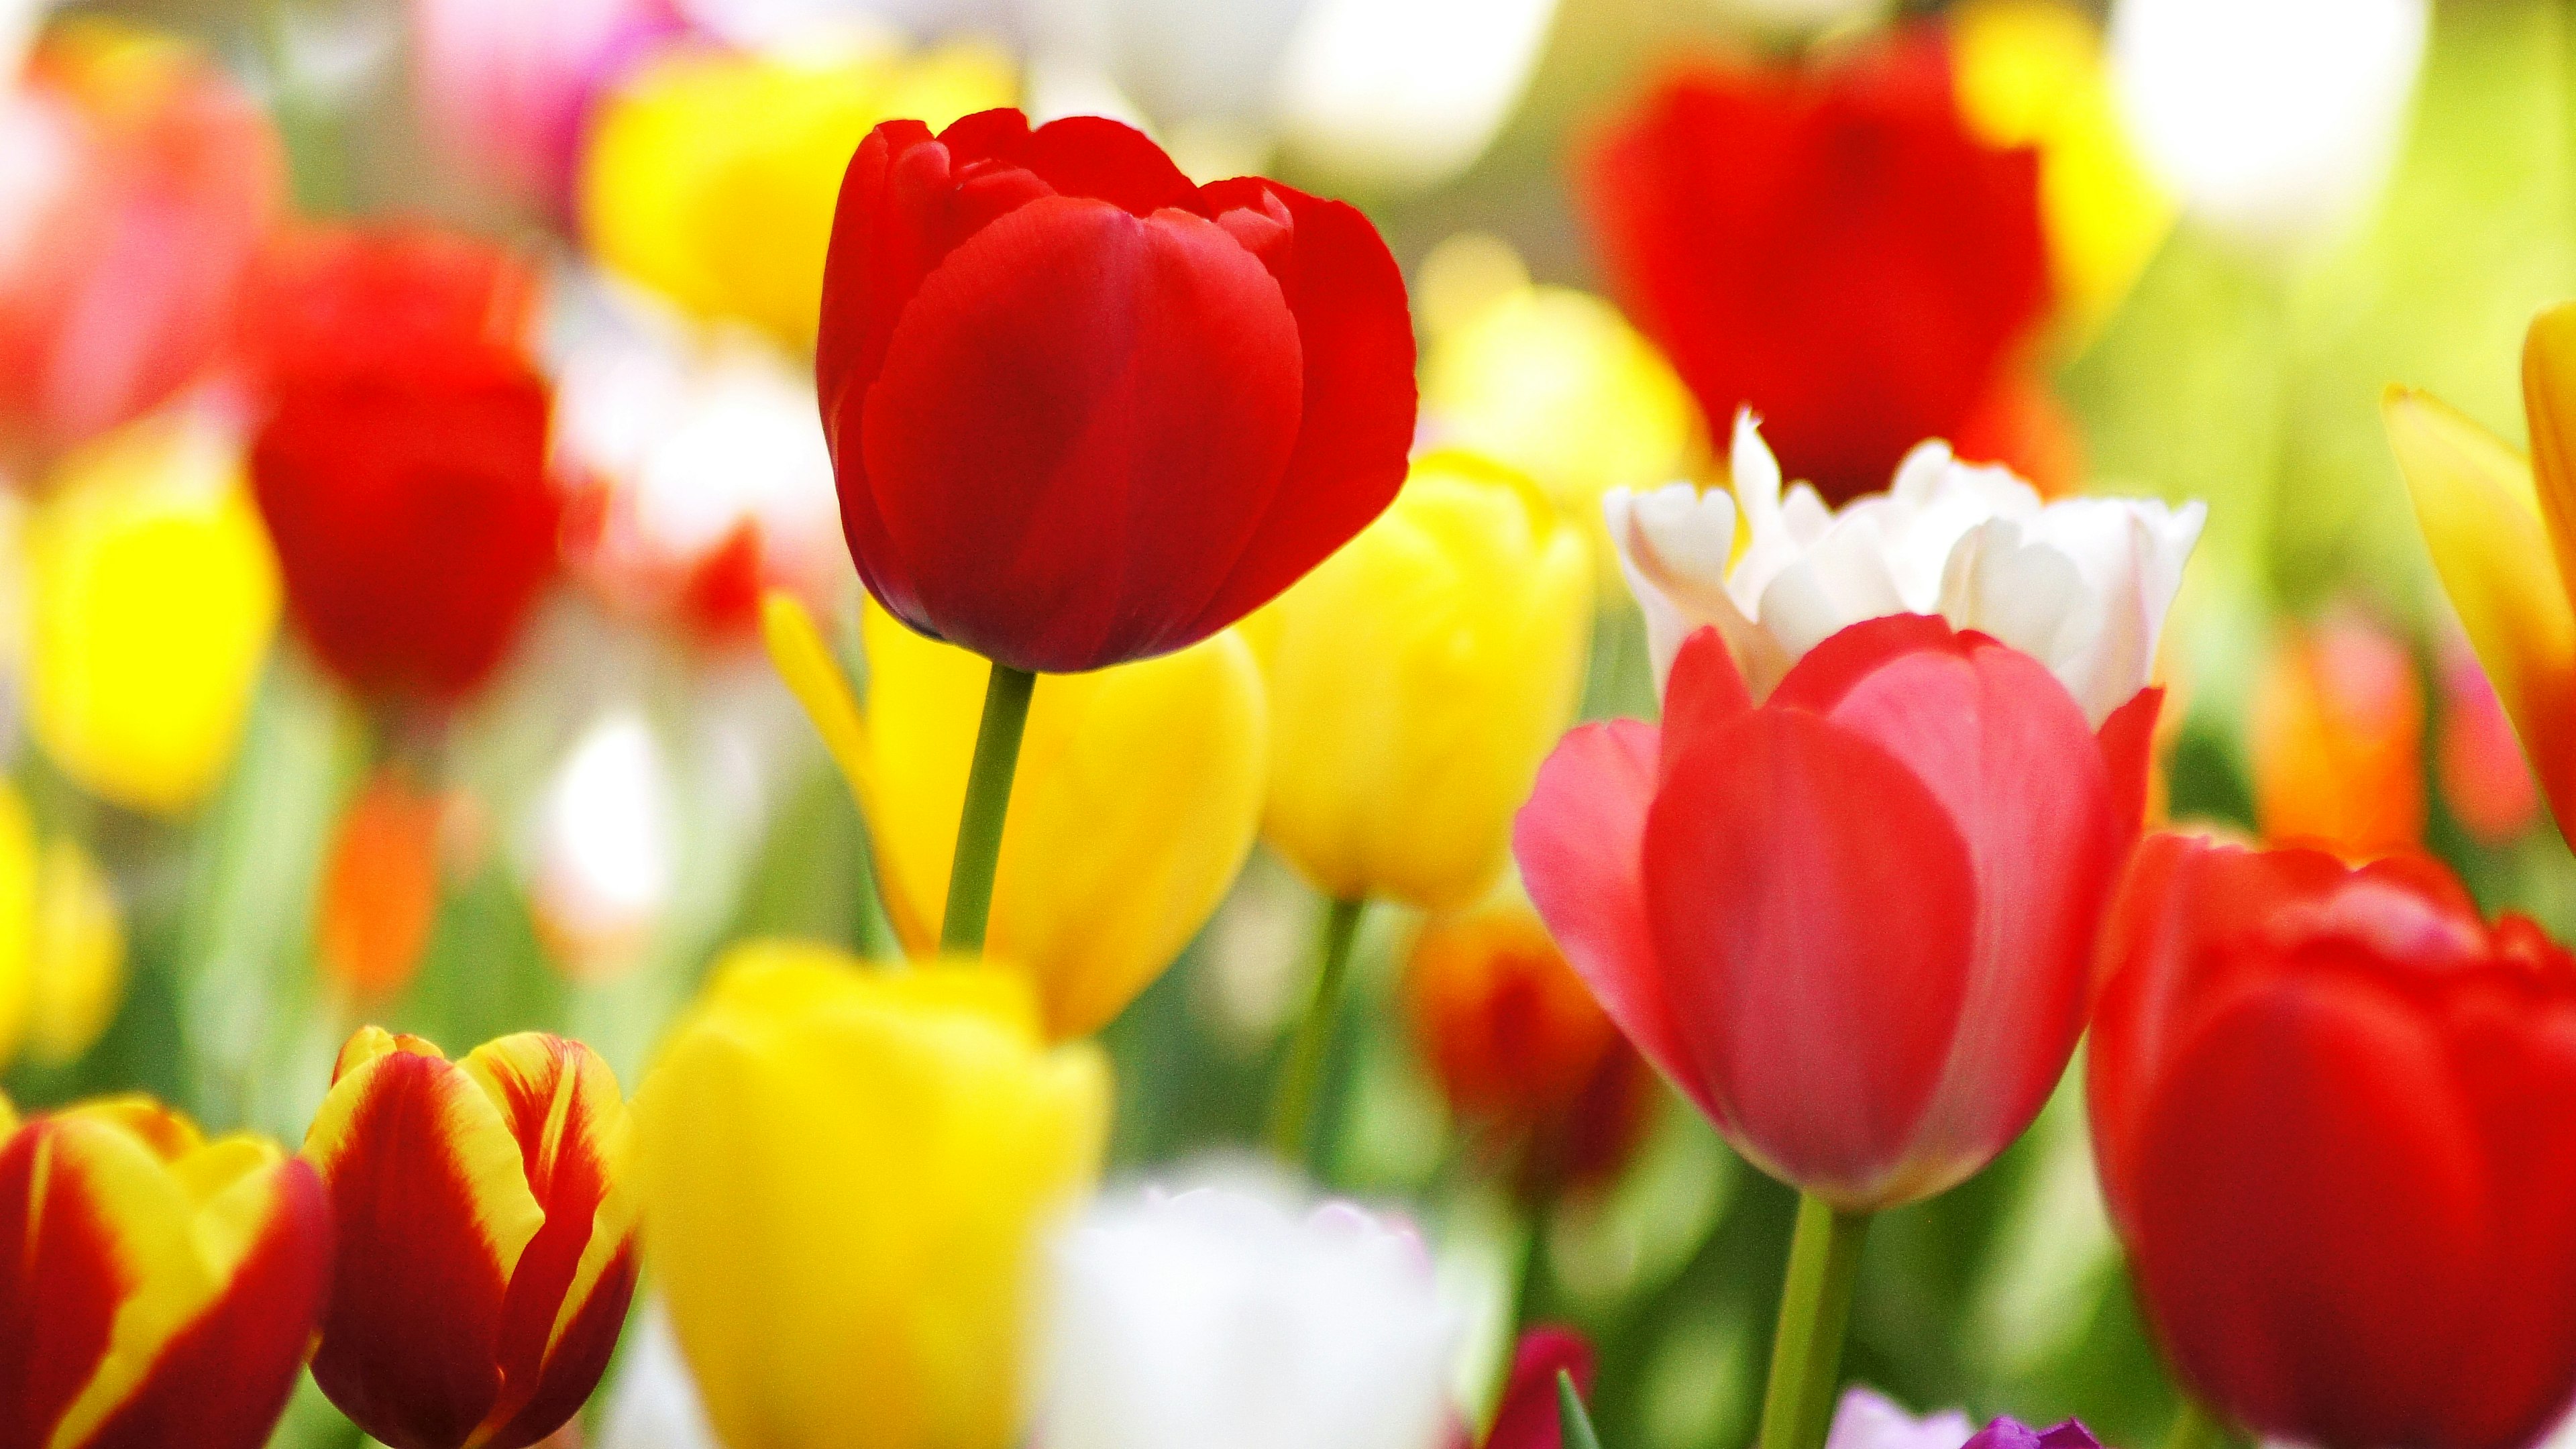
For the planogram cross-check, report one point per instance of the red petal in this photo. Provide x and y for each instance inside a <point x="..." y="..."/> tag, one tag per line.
<point x="1812" y="906"/>
<point x="1528" y="1417"/>
<point x="577" y="1359"/>
<point x="2128" y="740"/>
<point x="1824" y="674"/>
<point x="1105" y="160"/>
<point x="60" y="1283"/>
<point x="1703" y="693"/>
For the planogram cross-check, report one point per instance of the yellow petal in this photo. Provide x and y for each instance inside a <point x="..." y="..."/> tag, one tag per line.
<point x="797" y="650"/>
<point x="77" y="970"/>
<point x="18" y="867"/>
<point x="2549" y="403"/>
<point x="8" y="1118"/>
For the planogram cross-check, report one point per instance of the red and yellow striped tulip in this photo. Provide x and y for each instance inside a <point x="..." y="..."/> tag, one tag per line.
<point x="487" y="1237"/>
<point x="159" y="1288"/>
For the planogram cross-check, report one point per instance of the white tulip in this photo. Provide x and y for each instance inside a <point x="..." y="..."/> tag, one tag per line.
<point x="1234" y="1315"/>
<point x="2082" y="584"/>
<point x="654" y="1404"/>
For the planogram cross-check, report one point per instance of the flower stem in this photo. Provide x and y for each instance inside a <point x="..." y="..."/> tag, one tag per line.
<point x="988" y="803"/>
<point x="1292" y="1107"/>
<point x="2194" y="1428"/>
<point x="1815" y="1308"/>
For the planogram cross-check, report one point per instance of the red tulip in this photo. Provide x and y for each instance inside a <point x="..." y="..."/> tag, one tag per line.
<point x="1528" y="1417"/>
<point x="1831" y="247"/>
<point x="1854" y="923"/>
<point x="1083" y="411"/>
<point x="402" y="467"/>
<point x="2330" y="1107"/>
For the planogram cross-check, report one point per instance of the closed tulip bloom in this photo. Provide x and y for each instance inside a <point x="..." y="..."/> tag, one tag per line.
<point x="487" y="1212"/>
<point x="1854" y="923"/>
<point x="1234" y="1315"/>
<point x="1832" y="248"/>
<point x="1085" y="412"/>
<point x="2329" y="1113"/>
<point x="402" y="464"/>
<point x="1137" y="798"/>
<point x="159" y="1289"/>
<point x="849" y="1174"/>
<point x="1416" y="680"/>
<point x="2082" y="585"/>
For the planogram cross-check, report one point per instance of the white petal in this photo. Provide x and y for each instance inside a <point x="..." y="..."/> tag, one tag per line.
<point x="1673" y="547"/>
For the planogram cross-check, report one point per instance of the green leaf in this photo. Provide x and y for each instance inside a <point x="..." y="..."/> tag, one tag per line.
<point x="1575" y="1424"/>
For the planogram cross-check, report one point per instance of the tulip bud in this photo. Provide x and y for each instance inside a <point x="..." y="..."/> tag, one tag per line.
<point x="2337" y="734"/>
<point x="848" y="1174"/>
<point x="487" y="1223"/>
<point x="1417" y="678"/>
<point x="159" y="1288"/>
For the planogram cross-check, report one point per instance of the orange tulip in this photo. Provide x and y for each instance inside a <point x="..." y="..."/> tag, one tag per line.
<point x="2338" y="734"/>
<point x="380" y="887"/>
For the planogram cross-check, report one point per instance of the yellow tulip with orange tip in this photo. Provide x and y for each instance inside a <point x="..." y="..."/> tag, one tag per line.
<point x="1417" y="678"/>
<point x="711" y="176"/>
<point x="153" y="597"/>
<point x="848" y="1174"/>
<point x="2502" y="531"/>
<point x="1135" y="803"/>
<point x="486" y="1236"/>
<point x="159" y="1288"/>
<point x="62" y="942"/>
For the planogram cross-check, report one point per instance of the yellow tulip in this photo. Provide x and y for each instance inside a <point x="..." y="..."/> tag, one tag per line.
<point x="847" y="1177"/>
<point x="1136" y="801"/>
<point x="711" y="176"/>
<point x="153" y="598"/>
<point x="2033" y="73"/>
<point x="62" y="942"/>
<point x="1416" y="680"/>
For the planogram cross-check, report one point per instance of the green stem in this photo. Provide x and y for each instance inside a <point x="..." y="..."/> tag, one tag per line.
<point x="988" y="803"/>
<point x="2194" y="1428"/>
<point x="1815" y="1308"/>
<point x="1292" y="1107"/>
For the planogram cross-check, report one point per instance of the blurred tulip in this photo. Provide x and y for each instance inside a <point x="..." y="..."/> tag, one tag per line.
<point x="2034" y="73"/>
<point x="2485" y="781"/>
<point x="140" y="182"/>
<point x="62" y="942"/>
<point x="2336" y="736"/>
<point x="851" y="1171"/>
<point x="2270" y="120"/>
<point x="153" y="599"/>
<point x="1528" y="1416"/>
<point x="402" y="467"/>
<point x="1862" y="946"/>
<point x="509" y="87"/>
<point x="2384" y="1075"/>
<point x="1865" y="1420"/>
<point x="159" y="1289"/>
<point x="1138" y="794"/>
<point x="379" y="887"/>
<point x="2081" y="585"/>
<point x="608" y="847"/>
<point x="1405" y="93"/>
<point x="486" y="1212"/>
<point x="654" y="1403"/>
<point x="2022" y="426"/>
<point x="1416" y="679"/>
<point x="710" y="175"/>
<point x="1162" y="403"/>
<point x="1234" y="1315"/>
<point x="1521" y="1051"/>
<point x="1831" y="248"/>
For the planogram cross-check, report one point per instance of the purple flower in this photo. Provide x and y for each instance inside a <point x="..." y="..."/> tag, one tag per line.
<point x="1868" y="1420"/>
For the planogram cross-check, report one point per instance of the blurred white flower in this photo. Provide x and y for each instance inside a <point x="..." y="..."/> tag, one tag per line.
<point x="2271" y="120"/>
<point x="1867" y="1420"/>
<point x="2082" y="584"/>
<point x="1234" y="1315"/>
<point x="607" y="842"/>
<point x="654" y="1404"/>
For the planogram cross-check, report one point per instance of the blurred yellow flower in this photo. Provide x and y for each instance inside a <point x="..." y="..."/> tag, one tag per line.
<point x="2033" y="73"/>
<point x="1417" y="678"/>
<point x="62" y="942"/>
<point x="153" y="598"/>
<point x="1555" y="383"/>
<point x="711" y="176"/>
<point x="1137" y="799"/>
<point x="847" y="1175"/>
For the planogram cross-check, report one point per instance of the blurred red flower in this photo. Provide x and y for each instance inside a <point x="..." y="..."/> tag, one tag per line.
<point x="402" y="467"/>
<point x="2330" y="1113"/>
<point x="1830" y="246"/>
<point x="1528" y="1415"/>
<point x="1083" y="411"/>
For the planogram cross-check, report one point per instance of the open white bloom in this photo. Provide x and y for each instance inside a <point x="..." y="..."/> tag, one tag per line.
<point x="2082" y="585"/>
<point x="1236" y="1316"/>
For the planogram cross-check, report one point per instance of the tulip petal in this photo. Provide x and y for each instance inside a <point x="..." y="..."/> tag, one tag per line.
<point x="797" y="651"/>
<point x="1814" y="908"/>
<point x="1580" y="842"/>
<point x="59" y="1181"/>
<point x="2128" y="740"/>
<point x="1705" y="692"/>
<point x="2549" y="405"/>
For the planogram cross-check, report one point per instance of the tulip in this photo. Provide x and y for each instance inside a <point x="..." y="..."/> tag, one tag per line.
<point x="1417" y="678"/>
<point x="152" y="599"/>
<point x="2478" y="501"/>
<point x="848" y="1174"/>
<point x="2337" y="740"/>
<point x="2082" y="585"/>
<point x="1157" y="404"/>
<point x="402" y="466"/>
<point x="486" y="1215"/>
<point x="2328" y="1114"/>
<point x="1832" y="248"/>
<point x="1528" y="1416"/>
<point x="2485" y="781"/>
<point x="510" y="88"/>
<point x="1232" y="1315"/>
<point x="608" y="847"/>
<point x="159" y="1288"/>
<point x="1866" y="1420"/>
<point x="141" y="184"/>
<point x="709" y="175"/>
<point x="1134" y="810"/>
<point x="62" y="942"/>
<point x="379" y="893"/>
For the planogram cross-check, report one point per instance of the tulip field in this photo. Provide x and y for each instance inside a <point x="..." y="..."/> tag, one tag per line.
<point x="1287" y="724"/>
